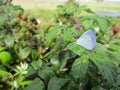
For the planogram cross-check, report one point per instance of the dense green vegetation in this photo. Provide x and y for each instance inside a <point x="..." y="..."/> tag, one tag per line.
<point x="45" y="56"/>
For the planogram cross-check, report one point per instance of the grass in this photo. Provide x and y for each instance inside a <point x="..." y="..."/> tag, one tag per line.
<point x="103" y="6"/>
<point x="38" y="9"/>
<point x="40" y="13"/>
<point x="96" y="6"/>
<point x="46" y="9"/>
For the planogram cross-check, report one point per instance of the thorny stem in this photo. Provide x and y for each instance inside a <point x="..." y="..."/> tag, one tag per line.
<point x="11" y="29"/>
<point x="77" y="24"/>
<point x="81" y="86"/>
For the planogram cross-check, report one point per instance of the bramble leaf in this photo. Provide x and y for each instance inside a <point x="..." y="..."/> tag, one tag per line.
<point x="5" y="57"/>
<point x="56" y="83"/>
<point x="79" y="68"/>
<point x="37" y="84"/>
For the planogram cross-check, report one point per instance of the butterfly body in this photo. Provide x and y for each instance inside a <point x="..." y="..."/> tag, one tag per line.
<point x="87" y="39"/>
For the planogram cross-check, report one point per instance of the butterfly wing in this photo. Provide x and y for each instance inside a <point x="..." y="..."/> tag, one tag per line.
<point x="87" y="39"/>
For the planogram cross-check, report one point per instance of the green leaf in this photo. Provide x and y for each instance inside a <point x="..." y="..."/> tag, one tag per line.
<point x="68" y="37"/>
<point x="25" y="83"/>
<point x="51" y="36"/>
<point x="105" y="66"/>
<point x="8" y="9"/>
<point x="115" y="57"/>
<point x="47" y="55"/>
<point x="46" y="74"/>
<point x="2" y="67"/>
<point x="5" y="57"/>
<point x="21" y="81"/>
<point x="102" y="22"/>
<point x="3" y="18"/>
<point x="31" y="71"/>
<point x="77" y="49"/>
<point x="37" y="84"/>
<point x="64" y="56"/>
<point x="4" y="73"/>
<point x="73" y="86"/>
<point x="24" y="53"/>
<point x="97" y="88"/>
<point x="9" y="41"/>
<point x="57" y="45"/>
<point x="56" y="83"/>
<point x="100" y="48"/>
<point x="2" y="48"/>
<point x="16" y="47"/>
<point x="55" y="62"/>
<point x="54" y="50"/>
<point x="89" y="10"/>
<point x="82" y="8"/>
<point x="79" y="68"/>
<point x="114" y="48"/>
<point x="88" y="23"/>
<point x="34" y="54"/>
<point x="115" y="41"/>
<point x="107" y="36"/>
<point x="37" y="64"/>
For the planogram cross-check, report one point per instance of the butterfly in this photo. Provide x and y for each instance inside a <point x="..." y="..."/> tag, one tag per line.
<point x="87" y="39"/>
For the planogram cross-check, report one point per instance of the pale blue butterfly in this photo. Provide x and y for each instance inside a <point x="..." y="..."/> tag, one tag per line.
<point x="87" y="39"/>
